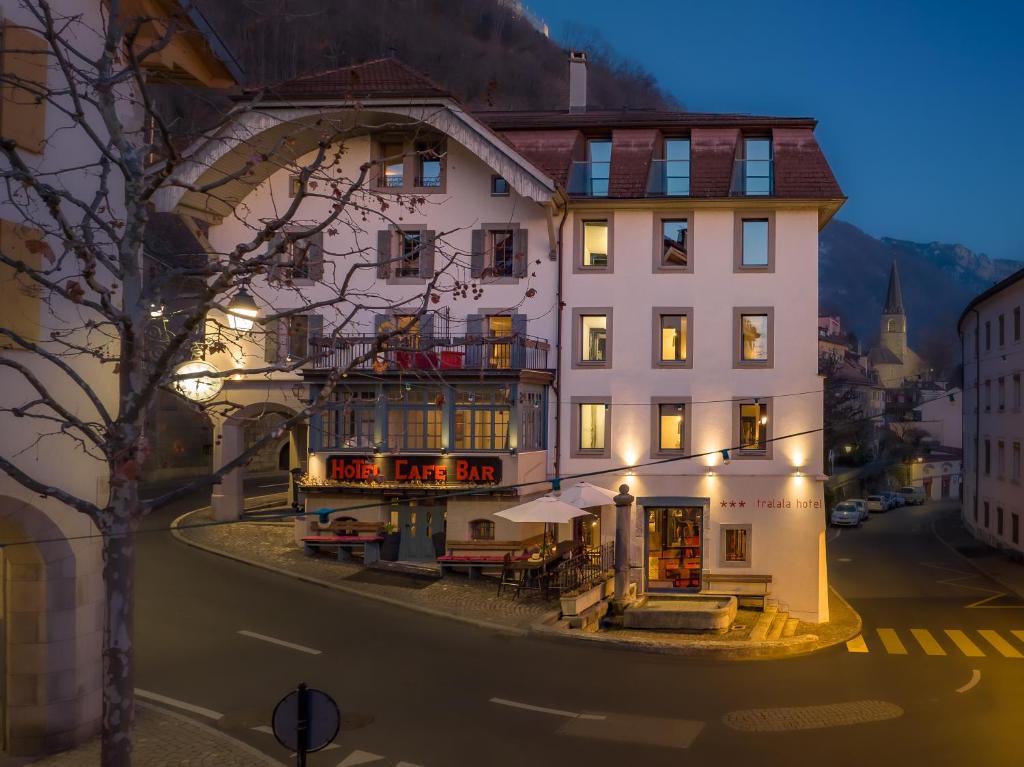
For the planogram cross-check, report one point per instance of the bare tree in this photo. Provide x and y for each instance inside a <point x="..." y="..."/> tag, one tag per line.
<point x="100" y="301"/>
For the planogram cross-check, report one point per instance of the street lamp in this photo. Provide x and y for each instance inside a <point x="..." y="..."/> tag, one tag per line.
<point x="242" y="311"/>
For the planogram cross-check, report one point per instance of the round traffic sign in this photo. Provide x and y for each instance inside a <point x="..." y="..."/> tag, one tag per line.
<point x="322" y="719"/>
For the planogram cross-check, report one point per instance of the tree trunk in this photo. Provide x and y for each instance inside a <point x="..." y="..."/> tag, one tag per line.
<point x="119" y="629"/>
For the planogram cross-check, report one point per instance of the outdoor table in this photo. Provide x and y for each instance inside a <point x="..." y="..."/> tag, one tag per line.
<point x="527" y="570"/>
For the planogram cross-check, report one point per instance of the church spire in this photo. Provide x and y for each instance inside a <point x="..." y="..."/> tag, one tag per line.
<point x="894" y="296"/>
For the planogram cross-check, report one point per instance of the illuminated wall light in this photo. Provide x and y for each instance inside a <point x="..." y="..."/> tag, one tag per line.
<point x="242" y="311"/>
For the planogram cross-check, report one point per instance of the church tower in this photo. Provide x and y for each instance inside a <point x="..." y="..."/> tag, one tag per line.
<point x="894" y="318"/>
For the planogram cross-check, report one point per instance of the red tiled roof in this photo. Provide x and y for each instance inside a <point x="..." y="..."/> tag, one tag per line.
<point x="801" y="170"/>
<point x="551" y="151"/>
<point x="634" y="118"/>
<point x="712" y="160"/>
<point x="632" y="151"/>
<point x="380" y="78"/>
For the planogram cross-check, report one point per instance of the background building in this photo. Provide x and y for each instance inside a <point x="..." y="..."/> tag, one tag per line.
<point x="993" y="413"/>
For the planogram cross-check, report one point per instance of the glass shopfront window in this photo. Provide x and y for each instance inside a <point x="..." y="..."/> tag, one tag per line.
<point x="482" y="418"/>
<point x="674" y="548"/>
<point x="414" y="419"/>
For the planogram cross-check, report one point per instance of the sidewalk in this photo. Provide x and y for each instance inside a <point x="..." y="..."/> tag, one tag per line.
<point x="165" y="739"/>
<point x="271" y="545"/>
<point x="993" y="562"/>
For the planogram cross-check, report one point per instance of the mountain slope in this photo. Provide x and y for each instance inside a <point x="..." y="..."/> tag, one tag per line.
<point x="938" y="280"/>
<point x="486" y="52"/>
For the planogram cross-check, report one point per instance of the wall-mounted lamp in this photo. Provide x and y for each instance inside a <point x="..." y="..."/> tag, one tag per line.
<point x="726" y="457"/>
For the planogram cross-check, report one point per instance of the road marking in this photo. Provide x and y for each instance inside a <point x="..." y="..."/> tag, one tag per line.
<point x="266" y="729"/>
<point x="543" y="710"/>
<point x="280" y="642"/>
<point x="838" y="533"/>
<point x="975" y="678"/>
<point x="927" y="641"/>
<point x="359" y="757"/>
<point x="966" y="646"/>
<point x="891" y="642"/>
<point x="981" y="604"/>
<point x="857" y="644"/>
<point x="156" y="697"/>
<point x="1019" y="634"/>
<point x="1006" y="649"/>
<point x="844" y="559"/>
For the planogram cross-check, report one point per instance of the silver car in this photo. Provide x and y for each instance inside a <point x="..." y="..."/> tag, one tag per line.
<point x="862" y="507"/>
<point x="877" y="503"/>
<point x="845" y="514"/>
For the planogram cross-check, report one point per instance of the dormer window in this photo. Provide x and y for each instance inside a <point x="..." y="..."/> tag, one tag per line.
<point x="599" y="158"/>
<point x="755" y="171"/>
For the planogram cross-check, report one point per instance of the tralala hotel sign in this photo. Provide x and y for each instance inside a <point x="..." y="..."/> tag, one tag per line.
<point x="426" y="470"/>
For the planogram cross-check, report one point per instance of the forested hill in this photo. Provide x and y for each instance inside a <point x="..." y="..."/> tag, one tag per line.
<point x="486" y="52"/>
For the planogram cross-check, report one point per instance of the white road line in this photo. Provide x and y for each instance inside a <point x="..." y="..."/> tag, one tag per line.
<point x="359" y="757"/>
<point x="975" y="678"/>
<point x="543" y="710"/>
<point x="280" y="642"/>
<point x="838" y="533"/>
<point x="266" y="729"/>
<point x="157" y="698"/>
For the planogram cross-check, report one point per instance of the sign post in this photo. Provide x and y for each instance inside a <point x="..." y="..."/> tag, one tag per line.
<point x="306" y="720"/>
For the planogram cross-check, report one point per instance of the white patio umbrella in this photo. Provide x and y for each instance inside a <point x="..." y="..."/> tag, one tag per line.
<point x="584" y="495"/>
<point x="547" y="509"/>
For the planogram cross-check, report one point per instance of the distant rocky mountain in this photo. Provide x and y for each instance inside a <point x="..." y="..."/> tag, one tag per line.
<point x="938" y="280"/>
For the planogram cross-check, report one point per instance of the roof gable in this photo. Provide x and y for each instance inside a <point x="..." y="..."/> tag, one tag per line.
<point x="380" y="78"/>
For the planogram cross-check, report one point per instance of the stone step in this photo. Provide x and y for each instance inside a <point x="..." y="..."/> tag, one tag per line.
<point x="791" y="627"/>
<point x="778" y="624"/>
<point x="760" y="630"/>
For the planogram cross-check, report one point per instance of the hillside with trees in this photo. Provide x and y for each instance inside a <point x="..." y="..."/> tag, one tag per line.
<point x="488" y="53"/>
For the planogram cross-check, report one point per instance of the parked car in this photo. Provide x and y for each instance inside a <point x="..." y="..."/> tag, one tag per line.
<point x="912" y="495"/>
<point x="877" y="503"/>
<point x="862" y="507"/>
<point x="846" y="514"/>
<point x="897" y="499"/>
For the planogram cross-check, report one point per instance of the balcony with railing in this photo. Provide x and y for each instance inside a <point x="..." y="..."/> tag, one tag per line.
<point x="752" y="178"/>
<point x="669" y="178"/>
<point x="589" y="179"/>
<point x="430" y="353"/>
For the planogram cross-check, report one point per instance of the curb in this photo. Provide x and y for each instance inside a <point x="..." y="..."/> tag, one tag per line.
<point x="478" y="622"/>
<point x="258" y="756"/>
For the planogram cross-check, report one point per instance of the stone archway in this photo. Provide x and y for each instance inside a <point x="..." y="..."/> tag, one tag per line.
<point x="51" y="618"/>
<point x="235" y="434"/>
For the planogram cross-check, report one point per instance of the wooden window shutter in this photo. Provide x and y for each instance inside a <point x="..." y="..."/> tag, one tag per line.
<point x="20" y="297"/>
<point x="272" y="341"/>
<point x="314" y="331"/>
<point x="519" y="345"/>
<point x="22" y="108"/>
<point x="315" y="256"/>
<point x="477" y="254"/>
<point x="275" y="271"/>
<point x="384" y="238"/>
<point x="427" y="255"/>
<point x="520" y="254"/>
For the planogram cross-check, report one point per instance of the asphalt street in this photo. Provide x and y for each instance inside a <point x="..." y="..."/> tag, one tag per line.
<point x="419" y="691"/>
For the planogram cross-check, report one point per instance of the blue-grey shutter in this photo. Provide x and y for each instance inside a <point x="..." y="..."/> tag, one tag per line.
<point x="427" y="255"/>
<point x="383" y="254"/>
<point x="520" y="253"/>
<point x="315" y="257"/>
<point x="477" y="253"/>
<point x="474" y="340"/>
<point x="427" y="328"/>
<point x="519" y="341"/>
<point x="271" y="341"/>
<point x="314" y="331"/>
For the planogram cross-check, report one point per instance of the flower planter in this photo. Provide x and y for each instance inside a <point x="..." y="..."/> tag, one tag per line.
<point x="576" y="604"/>
<point x="390" y="547"/>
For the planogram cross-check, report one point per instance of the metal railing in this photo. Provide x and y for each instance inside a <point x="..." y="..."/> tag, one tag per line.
<point x="669" y="178"/>
<point x="428" y="182"/>
<point x="584" y="568"/>
<point x="589" y="179"/>
<point x="753" y="178"/>
<point x="430" y="352"/>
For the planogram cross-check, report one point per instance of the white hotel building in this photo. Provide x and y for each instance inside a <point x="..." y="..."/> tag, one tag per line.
<point x="650" y="291"/>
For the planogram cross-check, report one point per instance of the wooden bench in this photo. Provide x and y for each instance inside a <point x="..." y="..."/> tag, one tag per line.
<point x="346" y="535"/>
<point x="743" y="586"/>
<point x="477" y="556"/>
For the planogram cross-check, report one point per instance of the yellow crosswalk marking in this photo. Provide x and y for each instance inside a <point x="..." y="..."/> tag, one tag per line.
<point x="1019" y="634"/>
<point x="857" y="644"/>
<point x="927" y="641"/>
<point x="1005" y="648"/>
<point x="966" y="646"/>
<point x="891" y="642"/>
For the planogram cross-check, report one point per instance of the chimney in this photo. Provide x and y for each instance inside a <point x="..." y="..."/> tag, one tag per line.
<point x="577" y="81"/>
